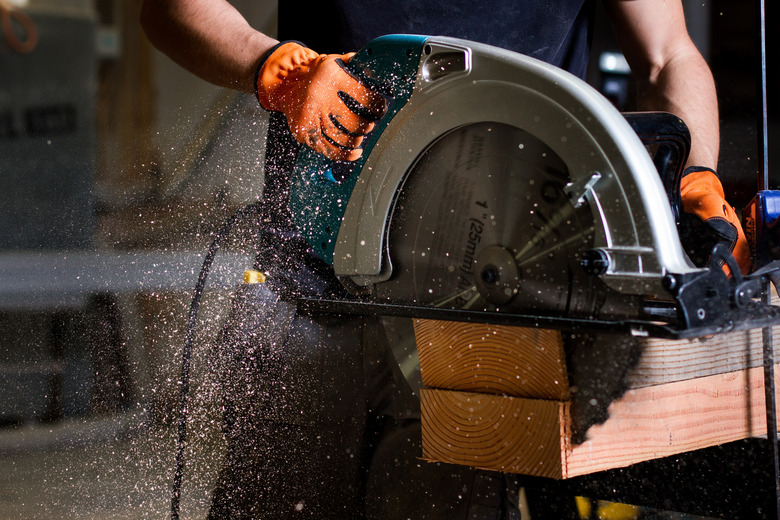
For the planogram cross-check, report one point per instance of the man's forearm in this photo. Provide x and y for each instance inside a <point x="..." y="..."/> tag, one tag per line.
<point x="210" y="38"/>
<point x="671" y="73"/>
<point x="684" y="87"/>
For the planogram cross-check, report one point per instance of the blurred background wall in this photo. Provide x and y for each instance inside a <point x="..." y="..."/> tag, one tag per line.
<point x="116" y="167"/>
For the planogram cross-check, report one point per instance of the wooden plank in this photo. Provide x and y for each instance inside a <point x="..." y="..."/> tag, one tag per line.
<point x="665" y="361"/>
<point x="527" y="362"/>
<point x="494" y="359"/>
<point x="658" y="421"/>
<point x="502" y="433"/>
<point x="614" y="406"/>
<point x="520" y="435"/>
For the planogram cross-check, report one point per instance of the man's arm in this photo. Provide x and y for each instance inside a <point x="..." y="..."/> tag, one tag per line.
<point x="671" y="73"/>
<point x="326" y="108"/>
<point x="672" y="76"/>
<point x="210" y="38"/>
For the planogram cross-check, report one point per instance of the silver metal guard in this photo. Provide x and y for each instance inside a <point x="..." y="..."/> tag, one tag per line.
<point x="460" y="83"/>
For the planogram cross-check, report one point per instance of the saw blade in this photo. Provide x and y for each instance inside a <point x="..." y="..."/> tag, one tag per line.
<point x="483" y="222"/>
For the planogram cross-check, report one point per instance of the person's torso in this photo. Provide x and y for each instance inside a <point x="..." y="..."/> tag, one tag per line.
<point x="557" y="32"/>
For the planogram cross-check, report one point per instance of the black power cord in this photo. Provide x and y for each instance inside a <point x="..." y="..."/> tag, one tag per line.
<point x="243" y="213"/>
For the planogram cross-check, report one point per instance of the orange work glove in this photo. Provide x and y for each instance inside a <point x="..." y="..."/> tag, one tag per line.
<point x="326" y="108"/>
<point x="708" y="219"/>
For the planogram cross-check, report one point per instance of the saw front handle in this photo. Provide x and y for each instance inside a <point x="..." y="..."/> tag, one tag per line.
<point x="669" y="141"/>
<point x="387" y="65"/>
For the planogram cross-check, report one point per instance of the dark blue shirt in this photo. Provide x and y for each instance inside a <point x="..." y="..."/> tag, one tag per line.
<point x="555" y="31"/>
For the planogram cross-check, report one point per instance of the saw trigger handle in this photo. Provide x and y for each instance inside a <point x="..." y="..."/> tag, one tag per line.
<point x="669" y="141"/>
<point x="387" y="65"/>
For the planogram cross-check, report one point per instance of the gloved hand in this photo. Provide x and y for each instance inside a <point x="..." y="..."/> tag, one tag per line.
<point x="708" y="219"/>
<point x="327" y="109"/>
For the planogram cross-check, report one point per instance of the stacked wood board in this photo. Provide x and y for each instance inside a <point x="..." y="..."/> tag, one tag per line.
<point x="519" y="400"/>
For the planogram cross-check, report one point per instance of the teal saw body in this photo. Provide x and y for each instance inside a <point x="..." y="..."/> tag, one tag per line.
<point x="321" y="188"/>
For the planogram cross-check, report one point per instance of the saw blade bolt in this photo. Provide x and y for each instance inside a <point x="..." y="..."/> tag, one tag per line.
<point x="489" y="275"/>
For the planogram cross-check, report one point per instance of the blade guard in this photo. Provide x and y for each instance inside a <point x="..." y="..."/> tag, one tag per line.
<point x="438" y="84"/>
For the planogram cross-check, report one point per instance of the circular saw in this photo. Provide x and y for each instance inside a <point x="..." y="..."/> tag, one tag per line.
<point x="500" y="188"/>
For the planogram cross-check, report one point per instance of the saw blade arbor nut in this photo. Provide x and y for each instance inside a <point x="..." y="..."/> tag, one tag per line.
<point x="498" y="280"/>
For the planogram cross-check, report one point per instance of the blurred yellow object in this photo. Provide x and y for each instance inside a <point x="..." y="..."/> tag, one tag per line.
<point x="606" y="510"/>
<point x="252" y="276"/>
<point x="583" y="507"/>
<point x="617" y="511"/>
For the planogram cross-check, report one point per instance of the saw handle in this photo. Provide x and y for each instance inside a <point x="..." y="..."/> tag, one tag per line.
<point x="388" y="65"/>
<point x="669" y="141"/>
